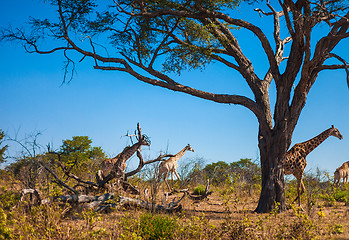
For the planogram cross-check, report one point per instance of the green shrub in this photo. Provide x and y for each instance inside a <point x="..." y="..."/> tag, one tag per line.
<point x="341" y="196"/>
<point x="199" y="190"/>
<point x="5" y="231"/>
<point x="157" y="226"/>
<point x="8" y="199"/>
<point x="328" y="198"/>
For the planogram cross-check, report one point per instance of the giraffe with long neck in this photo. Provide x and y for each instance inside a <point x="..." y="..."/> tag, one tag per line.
<point x="170" y="165"/>
<point x="118" y="163"/>
<point x="120" y="160"/>
<point x="295" y="162"/>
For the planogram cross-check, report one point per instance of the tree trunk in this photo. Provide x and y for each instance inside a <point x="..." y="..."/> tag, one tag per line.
<point x="272" y="151"/>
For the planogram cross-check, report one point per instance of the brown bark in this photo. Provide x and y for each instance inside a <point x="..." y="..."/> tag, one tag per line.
<point x="273" y="182"/>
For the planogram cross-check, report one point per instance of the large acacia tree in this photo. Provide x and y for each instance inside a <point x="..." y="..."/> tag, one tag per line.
<point x="150" y="39"/>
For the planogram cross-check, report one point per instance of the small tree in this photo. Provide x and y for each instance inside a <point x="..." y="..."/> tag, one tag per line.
<point x="79" y="157"/>
<point x="151" y="39"/>
<point x="26" y="168"/>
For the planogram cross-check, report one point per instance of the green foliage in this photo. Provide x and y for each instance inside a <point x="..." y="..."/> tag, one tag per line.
<point x="329" y="198"/>
<point x="8" y="199"/>
<point x="77" y="144"/>
<point x="78" y="155"/>
<point x="154" y="226"/>
<point x="217" y="172"/>
<point x="199" y="190"/>
<point x="5" y="231"/>
<point x="144" y="34"/>
<point x="341" y="196"/>
<point x="244" y="171"/>
<point x="335" y="194"/>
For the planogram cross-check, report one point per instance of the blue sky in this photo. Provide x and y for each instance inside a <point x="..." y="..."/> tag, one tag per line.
<point x="105" y="105"/>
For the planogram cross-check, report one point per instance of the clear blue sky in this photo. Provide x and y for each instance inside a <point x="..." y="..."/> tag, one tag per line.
<point x="105" y="105"/>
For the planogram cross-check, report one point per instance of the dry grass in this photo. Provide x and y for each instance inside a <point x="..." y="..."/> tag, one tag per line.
<point x="226" y="214"/>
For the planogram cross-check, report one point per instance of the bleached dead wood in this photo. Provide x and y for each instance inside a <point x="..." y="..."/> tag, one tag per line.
<point x="35" y="198"/>
<point x="192" y="196"/>
<point x="204" y="195"/>
<point x="100" y="203"/>
<point x="173" y="206"/>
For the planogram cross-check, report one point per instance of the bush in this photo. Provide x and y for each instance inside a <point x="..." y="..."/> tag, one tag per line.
<point x="5" y="231"/>
<point x="8" y="199"/>
<point x="157" y="226"/>
<point x="341" y="196"/>
<point x="199" y="190"/>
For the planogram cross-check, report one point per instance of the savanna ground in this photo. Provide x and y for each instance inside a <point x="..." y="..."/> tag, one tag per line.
<point x="226" y="214"/>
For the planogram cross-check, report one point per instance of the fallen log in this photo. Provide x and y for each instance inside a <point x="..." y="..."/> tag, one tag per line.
<point x="199" y="197"/>
<point x="138" y="203"/>
<point x="100" y="203"/>
<point x="85" y="198"/>
<point x="35" y="198"/>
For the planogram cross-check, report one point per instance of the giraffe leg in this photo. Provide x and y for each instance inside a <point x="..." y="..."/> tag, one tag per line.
<point x="169" y="188"/>
<point x="165" y="180"/>
<point x="175" y="171"/>
<point x="301" y="192"/>
<point x="172" y="179"/>
<point x="300" y="189"/>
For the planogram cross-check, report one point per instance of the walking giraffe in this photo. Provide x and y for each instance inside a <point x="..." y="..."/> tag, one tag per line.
<point x="170" y="165"/>
<point x="342" y="173"/>
<point x="295" y="162"/>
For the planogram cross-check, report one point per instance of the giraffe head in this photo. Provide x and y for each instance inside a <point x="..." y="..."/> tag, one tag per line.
<point x="335" y="132"/>
<point x="142" y="138"/>
<point x="189" y="148"/>
<point x="145" y="140"/>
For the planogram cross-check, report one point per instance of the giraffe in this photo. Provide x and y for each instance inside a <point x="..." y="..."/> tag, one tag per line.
<point x="120" y="160"/>
<point x="342" y="172"/>
<point x="170" y="165"/>
<point x="108" y="164"/>
<point x="295" y="163"/>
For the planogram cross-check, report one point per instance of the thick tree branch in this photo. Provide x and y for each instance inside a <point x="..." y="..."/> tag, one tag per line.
<point x="335" y="67"/>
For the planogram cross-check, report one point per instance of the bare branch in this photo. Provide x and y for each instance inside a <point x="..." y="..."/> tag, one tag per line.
<point x="335" y="67"/>
<point x="60" y="182"/>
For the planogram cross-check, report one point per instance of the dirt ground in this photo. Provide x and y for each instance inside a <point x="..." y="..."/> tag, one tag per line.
<point x="327" y="222"/>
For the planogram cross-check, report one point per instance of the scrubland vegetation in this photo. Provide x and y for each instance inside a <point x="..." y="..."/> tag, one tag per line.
<point x="226" y="214"/>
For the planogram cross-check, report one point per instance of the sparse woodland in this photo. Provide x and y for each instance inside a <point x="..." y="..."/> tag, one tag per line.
<point x="62" y="200"/>
<point x="154" y="41"/>
<point x="49" y="193"/>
